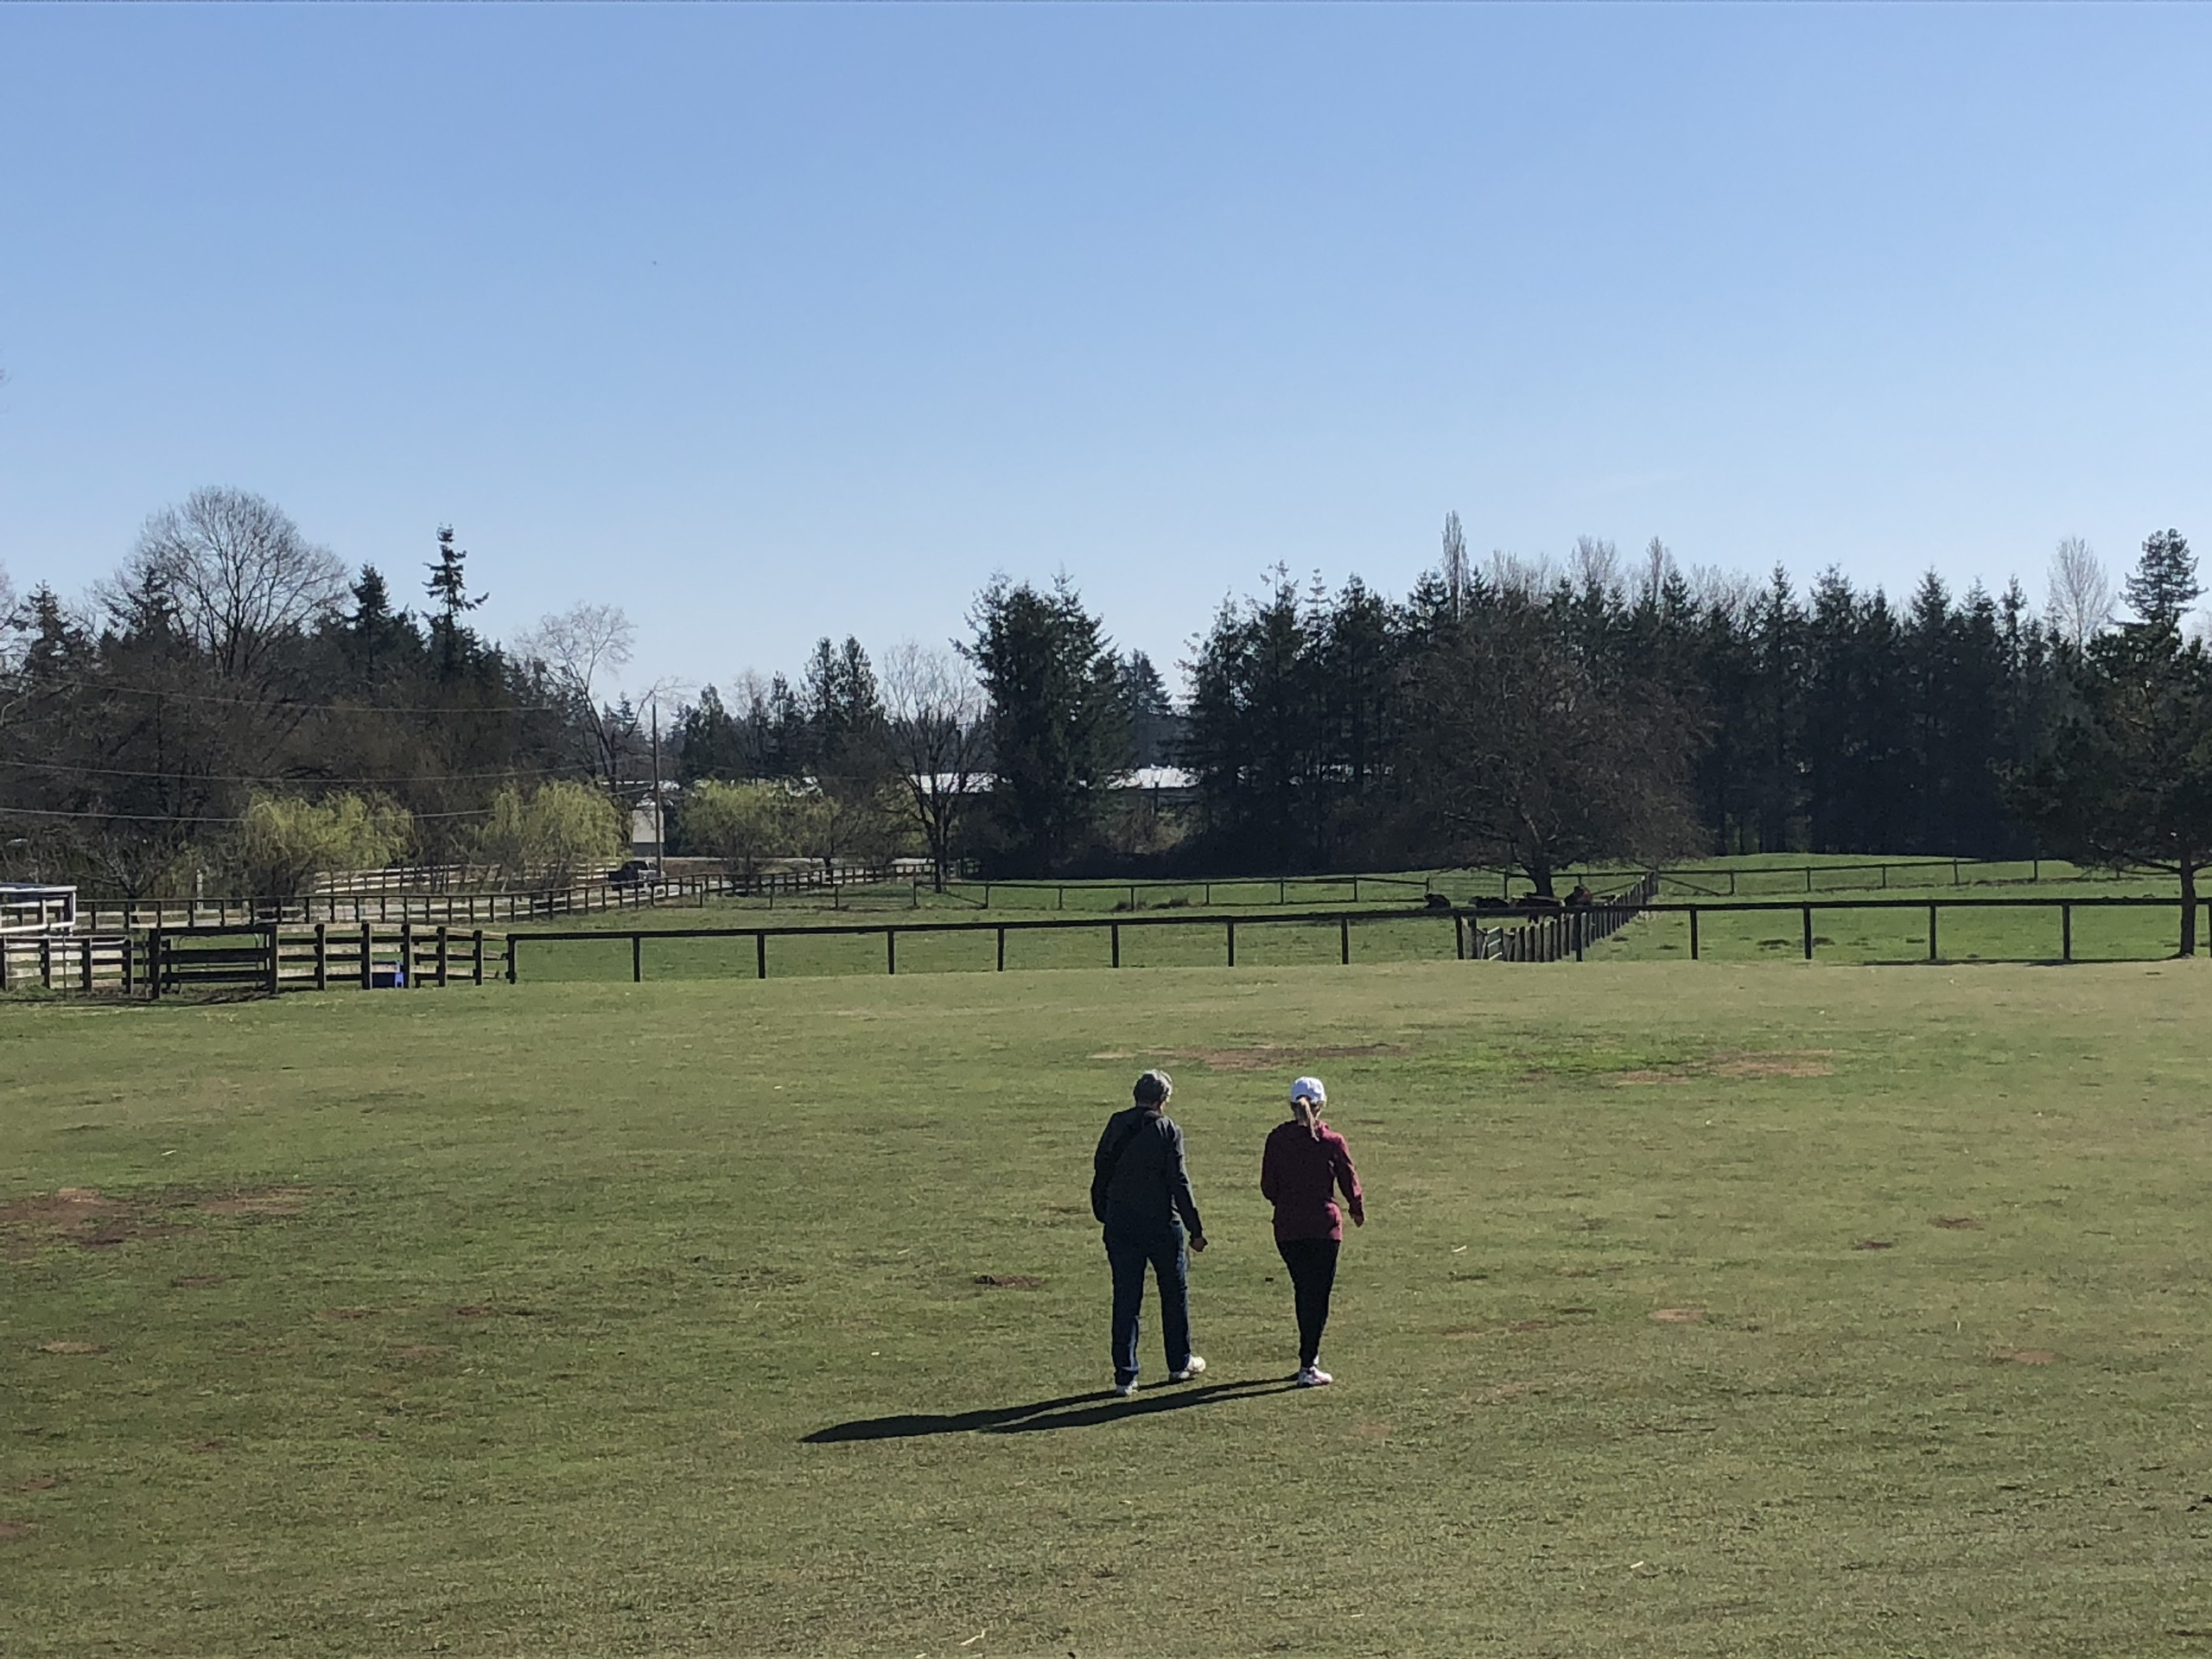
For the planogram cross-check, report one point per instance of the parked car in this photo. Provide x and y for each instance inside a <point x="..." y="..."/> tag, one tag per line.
<point x="638" y="873"/>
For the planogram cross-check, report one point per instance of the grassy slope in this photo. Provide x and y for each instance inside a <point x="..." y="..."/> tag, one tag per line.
<point x="695" y="1223"/>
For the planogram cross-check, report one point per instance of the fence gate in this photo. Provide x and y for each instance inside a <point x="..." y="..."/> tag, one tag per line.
<point x="210" y="959"/>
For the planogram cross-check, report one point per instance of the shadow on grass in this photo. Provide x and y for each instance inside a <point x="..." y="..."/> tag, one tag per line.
<point x="1069" y="1411"/>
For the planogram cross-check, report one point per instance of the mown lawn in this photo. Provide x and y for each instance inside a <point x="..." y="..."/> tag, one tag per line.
<point x="1742" y="1309"/>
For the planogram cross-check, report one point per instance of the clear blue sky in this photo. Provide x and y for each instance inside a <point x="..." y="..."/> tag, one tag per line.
<point x="767" y="322"/>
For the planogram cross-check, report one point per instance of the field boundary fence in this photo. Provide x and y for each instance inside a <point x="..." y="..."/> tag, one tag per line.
<point x="1808" y="910"/>
<point x="1567" y="931"/>
<point x="263" y="958"/>
<point x="1886" y="874"/>
<point x="451" y="908"/>
<point x="1136" y="893"/>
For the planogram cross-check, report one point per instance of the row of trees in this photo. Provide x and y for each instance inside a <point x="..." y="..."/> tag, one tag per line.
<point x="151" y="736"/>
<point x="1513" y="712"/>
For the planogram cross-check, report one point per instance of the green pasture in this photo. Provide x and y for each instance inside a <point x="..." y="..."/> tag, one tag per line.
<point x="1739" y="1309"/>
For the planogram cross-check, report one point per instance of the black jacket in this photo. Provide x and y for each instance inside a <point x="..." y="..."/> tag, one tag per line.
<point x="1138" y="1181"/>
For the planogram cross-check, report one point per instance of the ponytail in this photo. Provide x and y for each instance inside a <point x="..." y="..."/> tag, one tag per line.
<point x="1305" y="1110"/>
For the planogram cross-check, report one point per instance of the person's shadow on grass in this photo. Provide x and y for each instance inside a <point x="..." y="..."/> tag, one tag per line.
<point x="1069" y="1411"/>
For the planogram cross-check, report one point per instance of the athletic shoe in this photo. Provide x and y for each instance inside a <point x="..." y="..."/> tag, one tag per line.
<point x="1125" y="1389"/>
<point x="1191" y="1367"/>
<point x="1314" y="1378"/>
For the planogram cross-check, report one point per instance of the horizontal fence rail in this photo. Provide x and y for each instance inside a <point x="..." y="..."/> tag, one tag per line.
<point x="451" y="908"/>
<point x="70" y="961"/>
<point x="890" y="932"/>
<point x="1806" y="910"/>
<point x="1902" y="873"/>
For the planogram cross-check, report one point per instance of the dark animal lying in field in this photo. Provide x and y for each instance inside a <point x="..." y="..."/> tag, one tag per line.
<point x="1438" y="901"/>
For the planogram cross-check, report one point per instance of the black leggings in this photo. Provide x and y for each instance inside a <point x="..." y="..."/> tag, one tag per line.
<point x="1313" y="1264"/>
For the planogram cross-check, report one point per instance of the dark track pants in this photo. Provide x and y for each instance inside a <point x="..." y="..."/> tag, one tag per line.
<point x="1313" y="1264"/>
<point x="1130" y="1255"/>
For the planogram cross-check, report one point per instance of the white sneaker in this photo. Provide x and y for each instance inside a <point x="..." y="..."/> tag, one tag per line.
<point x="1191" y="1367"/>
<point x="1314" y="1378"/>
<point x="1125" y="1389"/>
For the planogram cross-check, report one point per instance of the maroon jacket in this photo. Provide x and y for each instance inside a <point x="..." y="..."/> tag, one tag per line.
<point x="1297" y="1175"/>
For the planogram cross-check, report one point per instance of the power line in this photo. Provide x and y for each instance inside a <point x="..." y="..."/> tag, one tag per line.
<point x="279" y="700"/>
<point x="296" y="778"/>
<point x="157" y="818"/>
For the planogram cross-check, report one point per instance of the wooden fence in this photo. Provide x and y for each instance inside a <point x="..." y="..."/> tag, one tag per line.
<point x="891" y="933"/>
<point x="471" y="909"/>
<point x="1808" y="910"/>
<point x="268" y="958"/>
<point x="70" y="961"/>
<point x="1566" y="932"/>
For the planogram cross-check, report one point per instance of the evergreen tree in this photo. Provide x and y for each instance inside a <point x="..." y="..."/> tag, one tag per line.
<point x="1058" y="735"/>
<point x="2164" y="585"/>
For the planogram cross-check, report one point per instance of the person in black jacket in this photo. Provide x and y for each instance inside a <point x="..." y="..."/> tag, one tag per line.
<point x="1140" y="1192"/>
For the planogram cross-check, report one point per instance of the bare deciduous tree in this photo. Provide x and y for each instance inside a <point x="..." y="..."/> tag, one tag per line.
<point x="580" y="651"/>
<point x="1596" y="566"/>
<point x="236" y="575"/>
<point x="934" y="731"/>
<point x="2081" y="597"/>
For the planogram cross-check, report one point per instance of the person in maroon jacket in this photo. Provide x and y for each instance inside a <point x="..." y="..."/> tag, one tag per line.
<point x="1305" y="1162"/>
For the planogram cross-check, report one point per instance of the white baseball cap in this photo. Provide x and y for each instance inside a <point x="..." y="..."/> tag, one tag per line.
<point x="1310" y="1089"/>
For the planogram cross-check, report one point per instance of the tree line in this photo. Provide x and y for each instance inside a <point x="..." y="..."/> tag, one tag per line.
<point x="233" y="692"/>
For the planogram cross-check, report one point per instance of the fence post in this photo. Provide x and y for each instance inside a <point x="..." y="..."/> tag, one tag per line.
<point x="443" y="948"/>
<point x="87" y="962"/>
<point x="1579" y="925"/>
<point x="890" y="950"/>
<point x="1002" y="967"/>
<point x="637" y="959"/>
<point x="761" y="954"/>
<point x="129" y="946"/>
<point x="272" y="959"/>
<point x="368" y="957"/>
<point x="2065" y="932"/>
<point x="1809" y="932"/>
<point x="1343" y="940"/>
<point x="514" y="957"/>
<point x="1232" y="945"/>
<point x="1114" y="931"/>
<point x="322" y="955"/>
<point x="476" y="958"/>
<point x="153" y="963"/>
<point x="1731" y="884"/>
<point x="1459" y="937"/>
<point x="1809" y="877"/>
<point x="1693" y="932"/>
<point x="1931" y="932"/>
<point x="406" y="953"/>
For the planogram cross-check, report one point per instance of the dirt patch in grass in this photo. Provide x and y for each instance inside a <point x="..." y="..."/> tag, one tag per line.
<point x="70" y="1347"/>
<point x="475" y="1311"/>
<point x="94" y="1220"/>
<point x="83" y="1216"/>
<point x="1788" y="1063"/>
<point x="1273" y="1057"/>
<point x="1679" y="1315"/>
<point x="38" y="1483"/>
<point x="11" y="1530"/>
<point x="1501" y="1393"/>
<point x="257" y="1201"/>
<point x="1875" y="1245"/>
<point x="2026" y="1357"/>
<point x="1956" y="1223"/>
<point x="1008" y="1280"/>
<point x="196" y="1281"/>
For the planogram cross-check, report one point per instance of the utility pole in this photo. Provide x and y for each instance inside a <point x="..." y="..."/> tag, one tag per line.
<point x="660" y="834"/>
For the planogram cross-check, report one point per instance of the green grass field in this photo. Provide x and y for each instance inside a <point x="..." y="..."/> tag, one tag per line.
<point x="1734" y="1309"/>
